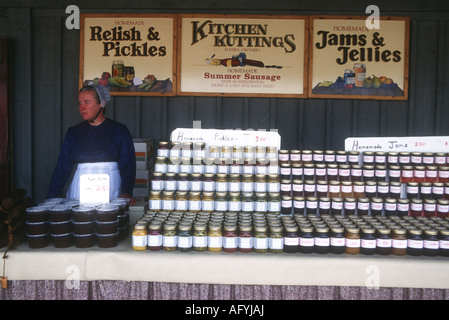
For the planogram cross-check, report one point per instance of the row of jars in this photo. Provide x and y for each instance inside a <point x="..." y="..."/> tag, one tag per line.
<point x="199" y="150"/>
<point x="364" y="158"/>
<point x="231" y="232"/>
<point x="356" y="172"/>
<point x="369" y="189"/>
<point x="274" y="202"/>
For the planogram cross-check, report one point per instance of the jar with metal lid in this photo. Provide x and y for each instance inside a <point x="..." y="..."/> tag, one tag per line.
<point x="306" y="156"/>
<point x="442" y="208"/>
<point x="371" y="189"/>
<point x="429" y="208"/>
<point x="249" y="152"/>
<point x="299" y="205"/>
<point x="368" y="173"/>
<point x="390" y="207"/>
<point x="415" y="242"/>
<point x="283" y="156"/>
<point x="309" y="171"/>
<point x="380" y="173"/>
<point x="392" y="159"/>
<point x="236" y="166"/>
<point x="157" y="181"/>
<point x="247" y="183"/>
<point x="377" y="207"/>
<point x="337" y="239"/>
<point x="273" y="183"/>
<point x="155" y="201"/>
<point x="310" y="188"/>
<point x="368" y="158"/>
<point x="322" y="189"/>
<point x="215" y="237"/>
<point x="416" y="207"/>
<point x="194" y="201"/>
<point x="199" y="238"/>
<point x="286" y="205"/>
<point x="297" y="171"/>
<point x="431" y="173"/>
<point x="199" y="150"/>
<point x="185" y="237"/>
<point x="322" y="239"/>
<point x="330" y="156"/>
<point x="404" y="158"/>
<point x="274" y="202"/>
<point x="443" y="174"/>
<point x="349" y="206"/>
<point x="170" y="181"/>
<point x="437" y="190"/>
<point x="209" y="182"/>
<point x="248" y="202"/>
<point x="358" y="189"/>
<point x="383" y="241"/>
<point x="246" y="239"/>
<point x="235" y="183"/>
<point x="295" y="156"/>
<point x="261" y="203"/>
<point x="318" y="156"/>
<point x="403" y="207"/>
<point x="443" y="242"/>
<point x="430" y="242"/>
<point x="336" y="206"/>
<point x="380" y="158"/>
<point x="291" y="238"/>
<point x="285" y="171"/>
<point x="363" y="206"/>
<point x="399" y="242"/>
<point x="154" y="236"/>
<point x="234" y="202"/>
<point x="346" y="189"/>
<point x="306" y="239"/>
<point x="416" y="158"/>
<point x="181" y="201"/>
<point x="353" y="157"/>
<point x="221" y="201"/>
<point x="296" y="188"/>
<point x="324" y="206"/>
<point x="311" y="205"/>
<point x="196" y="182"/>
<point x="334" y="189"/>
<point x="169" y="237"/>
<point x="173" y="164"/>
<point x="320" y="172"/>
<point x="222" y="182"/>
<point x="286" y="187"/>
<point x="395" y="189"/>
<point x="168" y="201"/>
<point x="139" y="237"/>
<point x="352" y="240"/>
<point x="332" y="172"/>
<point x="419" y="173"/>
<point x="248" y="166"/>
<point x="406" y="174"/>
<point x="207" y="202"/>
<point x="275" y="239"/>
<point x="367" y="240"/>
<point x="260" y="238"/>
<point x="394" y="173"/>
<point x="260" y="184"/>
<point x="261" y="152"/>
<point x="197" y="166"/>
<point x="344" y="172"/>
<point x="230" y="238"/>
<point x="185" y="166"/>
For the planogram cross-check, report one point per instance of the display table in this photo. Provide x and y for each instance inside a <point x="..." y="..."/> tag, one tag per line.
<point x="122" y="263"/>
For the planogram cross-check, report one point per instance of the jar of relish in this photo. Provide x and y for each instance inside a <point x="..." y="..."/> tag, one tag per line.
<point x="276" y="239"/>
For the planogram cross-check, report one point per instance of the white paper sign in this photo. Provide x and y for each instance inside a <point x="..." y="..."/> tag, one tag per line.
<point x="94" y="188"/>
<point x="398" y="144"/>
<point x="228" y="137"/>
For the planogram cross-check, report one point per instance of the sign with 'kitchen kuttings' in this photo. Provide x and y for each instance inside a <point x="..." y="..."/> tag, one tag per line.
<point x="130" y="54"/>
<point x="242" y="55"/>
<point x="351" y="61"/>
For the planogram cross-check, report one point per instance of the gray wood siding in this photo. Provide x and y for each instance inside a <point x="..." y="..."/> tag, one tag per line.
<point x="45" y="81"/>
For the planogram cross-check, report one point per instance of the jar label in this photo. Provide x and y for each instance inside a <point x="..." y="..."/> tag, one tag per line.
<point x="260" y="243"/>
<point x="306" y="242"/>
<point x="230" y="242"/>
<point x="368" y="244"/>
<point x="415" y="244"/>
<point x="274" y="187"/>
<point x="169" y="241"/>
<point x="260" y="187"/>
<point x="248" y="206"/>
<point x="154" y="240"/>
<point x="139" y="241"/>
<point x="194" y="205"/>
<point x="160" y="167"/>
<point x="273" y="169"/>
<point x="214" y="242"/>
<point x="298" y="187"/>
<point x="295" y="157"/>
<point x="247" y="186"/>
<point x="443" y="208"/>
<point x="261" y="206"/>
<point x="322" y="242"/>
<point x="274" y="206"/>
<point x="234" y="186"/>
<point x="221" y="205"/>
<point x="168" y="204"/>
<point x="199" y="241"/>
<point x="183" y="186"/>
<point x="384" y="243"/>
<point x="431" y="244"/>
<point x="173" y="168"/>
<point x="154" y="204"/>
<point x="207" y="205"/>
<point x="399" y="244"/>
<point x="209" y="185"/>
<point x="222" y="186"/>
<point x="407" y="173"/>
<point x="291" y="241"/>
<point x="337" y="242"/>
<point x="162" y="152"/>
<point x="352" y="243"/>
<point x="376" y="205"/>
<point x="363" y="205"/>
<point x="299" y="204"/>
<point x="157" y="185"/>
<point x="275" y="243"/>
<point x="235" y="205"/>
<point x="350" y="205"/>
<point x="444" y="244"/>
<point x="181" y="205"/>
<point x="170" y="185"/>
<point x="185" y="242"/>
<point x="245" y="242"/>
<point x="210" y="169"/>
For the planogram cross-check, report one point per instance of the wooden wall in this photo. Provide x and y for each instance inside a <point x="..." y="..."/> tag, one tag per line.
<point x="45" y="81"/>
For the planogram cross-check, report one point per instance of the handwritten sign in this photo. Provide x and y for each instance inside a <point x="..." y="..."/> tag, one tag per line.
<point x="94" y="188"/>
<point x="398" y="144"/>
<point x="227" y="137"/>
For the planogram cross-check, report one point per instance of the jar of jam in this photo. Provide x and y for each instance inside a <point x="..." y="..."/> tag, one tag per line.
<point x="154" y="236"/>
<point x="416" y="207"/>
<point x="443" y="174"/>
<point x="297" y="171"/>
<point x="291" y="238"/>
<point x="440" y="159"/>
<point x="419" y="173"/>
<point x="395" y="189"/>
<point x="349" y="205"/>
<point x="377" y="206"/>
<point x="286" y="187"/>
<point x="363" y="205"/>
<point x="329" y="156"/>
<point x="371" y="189"/>
<point x="437" y="190"/>
<point x="380" y="173"/>
<point x="311" y="205"/>
<point x="358" y="189"/>
<point x="337" y="206"/>
<point x="443" y="242"/>
<point x="246" y="239"/>
<point x="324" y="206"/>
<point x="297" y="188"/>
<point x="310" y="188"/>
<point x="428" y="158"/>
<point x="404" y="158"/>
<point x="383" y="241"/>
<point x="353" y="157"/>
<point x="403" y="207"/>
<point x="295" y="156"/>
<point x="352" y="240"/>
<point x="299" y="205"/>
<point x="368" y="158"/>
<point x="415" y="242"/>
<point x="322" y="239"/>
<point x="380" y="158"/>
<point x="283" y="156"/>
<point x="230" y="239"/>
<point x="399" y="242"/>
<point x="429" y="208"/>
<point x="344" y="172"/>
<point x="276" y="239"/>
<point x="334" y="189"/>
<point x="406" y="174"/>
<point x="306" y="239"/>
<point x="430" y="242"/>
<point x="309" y="171"/>
<point x="367" y="240"/>
<point x="442" y="208"/>
<point x="416" y="158"/>
<point x="337" y="239"/>
<point x="412" y="190"/>
<point x="321" y="172"/>
<point x="306" y="156"/>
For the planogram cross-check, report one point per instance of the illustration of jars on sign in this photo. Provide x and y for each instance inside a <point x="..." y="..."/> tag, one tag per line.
<point x="360" y="74"/>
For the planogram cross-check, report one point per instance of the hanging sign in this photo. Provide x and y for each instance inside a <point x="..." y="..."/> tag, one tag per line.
<point x="234" y="55"/>
<point x="351" y="61"/>
<point x="94" y="188"/>
<point x="397" y="144"/>
<point x="131" y="54"/>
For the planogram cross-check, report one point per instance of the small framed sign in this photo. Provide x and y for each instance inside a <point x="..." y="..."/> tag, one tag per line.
<point x="94" y="188"/>
<point x="132" y="54"/>
<point x="350" y="61"/>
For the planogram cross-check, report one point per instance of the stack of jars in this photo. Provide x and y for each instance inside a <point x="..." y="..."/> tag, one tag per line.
<point x="373" y="180"/>
<point x="191" y="177"/>
<point x="262" y="233"/>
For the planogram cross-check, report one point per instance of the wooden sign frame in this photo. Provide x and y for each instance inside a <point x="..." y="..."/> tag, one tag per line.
<point x="391" y="86"/>
<point x="145" y="42"/>
<point x="199" y="72"/>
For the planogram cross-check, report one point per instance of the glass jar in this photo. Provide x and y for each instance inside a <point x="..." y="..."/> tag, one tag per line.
<point x="419" y="173"/>
<point x="334" y="189"/>
<point x="329" y="156"/>
<point x="443" y="242"/>
<point x="299" y="205"/>
<point x="170" y="181"/>
<point x="194" y="201"/>
<point x="415" y="242"/>
<point x="157" y="181"/>
<point x="371" y="189"/>
<point x="185" y="237"/>
<point x="283" y="156"/>
<point x="221" y="201"/>
<point x="286" y="205"/>
<point x="442" y="208"/>
<point x="392" y="159"/>
<point x="380" y="173"/>
<point x="377" y="206"/>
<point x="332" y="172"/>
<point x="230" y="239"/>
<point x="154" y="236"/>
<point x="429" y="208"/>
<point x="367" y="240"/>
<point x="306" y="239"/>
<point x="261" y="203"/>
<point x="353" y="157"/>
<point x="383" y="189"/>
<point x="169" y="237"/>
<point x="352" y="240"/>
<point x="368" y="173"/>
<point x="273" y="183"/>
<point x="322" y="239"/>
<point x="337" y="206"/>
<point x="416" y="158"/>
<point x="349" y="205"/>
<point x="384" y="241"/>
<point x="324" y="206"/>
<point x="274" y="202"/>
<point x="260" y="239"/>
<point x="404" y="158"/>
<point x="311" y="205"/>
<point x="399" y="242"/>
<point x="437" y="190"/>
<point x="139" y="237"/>
<point x="394" y="173"/>
<point x="363" y="206"/>
<point x="276" y="239"/>
<point x="390" y="207"/>
<point x="443" y="174"/>
<point x="168" y="201"/>
<point x="297" y="171"/>
<point x="291" y="238"/>
<point x="346" y="189"/>
<point x="246" y="240"/>
<point x="395" y="189"/>
<point x="358" y="189"/>
<point x="430" y="242"/>
<point x="406" y="174"/>
<point x="416" y="207"/>
<point x="199" y="239"/>
<point x="260" y="184"/>
<point x="248" y="202"/>
<point x="344" y="172"/>
<point x="181" y="201"/>
<point x="155" y="201"/>
<point x="295" y="156"/>
<point x="403" y="207"/>
<point x="368" y="158"/>
<point x="215" y="237"/>
<point x="337" y="239"/>
<point x="306" y="156"/>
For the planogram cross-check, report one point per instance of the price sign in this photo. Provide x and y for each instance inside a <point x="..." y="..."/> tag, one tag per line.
<point x="406" y="144"/>
<point x="94" y="188"/>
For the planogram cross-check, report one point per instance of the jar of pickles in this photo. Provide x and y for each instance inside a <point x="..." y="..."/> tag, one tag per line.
<point x="276" y="239"/>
